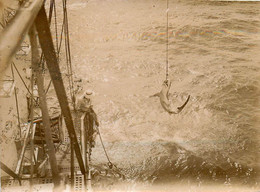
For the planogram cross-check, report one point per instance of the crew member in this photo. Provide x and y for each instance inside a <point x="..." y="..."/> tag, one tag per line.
<point x="84" y="105"/>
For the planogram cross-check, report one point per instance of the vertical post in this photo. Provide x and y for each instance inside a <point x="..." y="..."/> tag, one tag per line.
<point x="89" y="136"/>
<point x="72" y="165"/>
<point x="17" y="109"/>
<point x="20" y="161"/>
<point x="31" y="115"/>
<point x="44" y="109"/>
<point x="32" y="154"/>
<point x="83" y="139"/>
<point x="88" y="183"/>
<point x="83" y="144"/>
<point x="47" y="46"/>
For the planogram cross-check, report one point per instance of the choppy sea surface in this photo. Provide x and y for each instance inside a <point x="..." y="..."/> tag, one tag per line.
<point x="118" y="49"/>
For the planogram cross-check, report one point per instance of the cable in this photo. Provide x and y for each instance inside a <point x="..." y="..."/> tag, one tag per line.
<point x="66" y="47"/>
<point x="48" y="87"/>
<point x="49" y="20"/>
<point x="61" y="36"/>
<point x="167" y="42"/>
<point x="58" y="44"/>
<point x="110" y="165"/>
<point x="51" y="10"/>
<point x="56" y="28"/>
<point x="21" y="78"/>
<point x="31" y="116"/>
<point x="68" y="53"/>
<point x="16" y="103"/>
<point x="52" y="6"/>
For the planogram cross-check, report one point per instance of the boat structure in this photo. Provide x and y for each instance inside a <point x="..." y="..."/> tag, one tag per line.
<point x="49" y="148"/>
<point x="135" y="132"/>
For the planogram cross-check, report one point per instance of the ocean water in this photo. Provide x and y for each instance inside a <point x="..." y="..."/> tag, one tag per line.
<point x="119" y="49"/>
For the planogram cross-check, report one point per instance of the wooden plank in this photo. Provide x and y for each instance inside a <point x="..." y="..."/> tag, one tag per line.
<point x="12" y="35"/>
<point x="54" y="70"/>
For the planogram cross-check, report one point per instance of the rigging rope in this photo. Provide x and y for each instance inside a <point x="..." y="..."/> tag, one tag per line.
<point x="31" y="127"/>
<point x="52" y="5"/>
<point x="167" y="41"/>
<point x="51" y="10"/>
<point x="24" y="83"/>
<point x="109" y="162"/>
<point x="49" y="20"/>
<point x="68" y="54"/>
<point x="61" y="36"/>
<point x="58" y="44"/>
<point x="64" y="29"/>
<point x="56" y="26"/>
<point x="22" y="79"/>
<point x="16" y="102"/>
<point x="59" y="49"/>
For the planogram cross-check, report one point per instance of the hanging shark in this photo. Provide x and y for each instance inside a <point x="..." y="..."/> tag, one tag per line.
<point x="164" y="99"/>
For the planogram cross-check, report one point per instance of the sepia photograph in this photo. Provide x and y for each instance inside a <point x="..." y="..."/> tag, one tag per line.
<point x="129" y="95"/>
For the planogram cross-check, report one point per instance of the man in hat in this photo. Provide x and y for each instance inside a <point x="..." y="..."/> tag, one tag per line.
<point x="84" y="105"/>
<point x="84" y="102"/>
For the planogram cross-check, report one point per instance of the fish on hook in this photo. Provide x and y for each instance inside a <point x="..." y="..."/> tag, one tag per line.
<point x="164" y="99"/>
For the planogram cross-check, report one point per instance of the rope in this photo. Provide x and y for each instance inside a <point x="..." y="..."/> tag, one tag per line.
<point x="110" y="164"/>
<point x="167" y="41"/>
<point x="31" y="128"/>
<point x="66" y="45"/>
<point x="21" y="78"/>
<point x="51" y="10"/>
<point x="49" y="20"/>
<point x="58" y="44"/>
<point x="56" y="28"/>
<point x="61" y="36"/>
<point x="16" y="103"/>
<point x="68" y="53"/>
<point x="59" y="49"/>
<point x="69" y="56"/>
<point x="48" y="87"/>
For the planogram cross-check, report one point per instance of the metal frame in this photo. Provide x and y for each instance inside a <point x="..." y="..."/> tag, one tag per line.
<point x="13" y="34"/>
